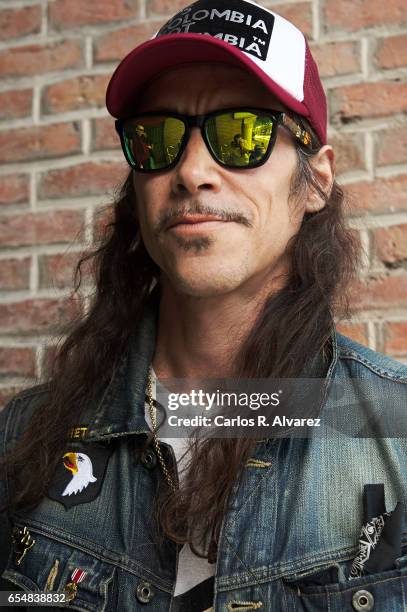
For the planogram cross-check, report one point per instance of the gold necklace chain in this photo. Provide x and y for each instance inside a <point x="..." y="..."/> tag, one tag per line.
<point x="153" y="417"/>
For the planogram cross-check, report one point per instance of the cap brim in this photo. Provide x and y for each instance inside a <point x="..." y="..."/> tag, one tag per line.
<point x="155" y="56"/>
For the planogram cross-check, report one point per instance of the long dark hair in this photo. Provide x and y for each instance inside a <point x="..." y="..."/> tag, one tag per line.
<point x="294" y="325"/>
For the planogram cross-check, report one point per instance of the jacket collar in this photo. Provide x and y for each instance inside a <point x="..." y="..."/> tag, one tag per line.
<point x="120" y="410"/>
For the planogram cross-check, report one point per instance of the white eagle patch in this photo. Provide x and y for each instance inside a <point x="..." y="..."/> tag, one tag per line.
<point x="82" y="472"/>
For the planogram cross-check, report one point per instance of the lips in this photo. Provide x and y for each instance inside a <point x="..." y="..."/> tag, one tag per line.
<point x="193" y="219"/>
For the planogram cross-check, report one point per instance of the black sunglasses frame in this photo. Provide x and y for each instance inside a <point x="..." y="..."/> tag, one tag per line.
<point x="200" y="121"/>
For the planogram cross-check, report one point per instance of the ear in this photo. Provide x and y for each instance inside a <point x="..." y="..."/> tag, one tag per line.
<point x="323" y="165"/>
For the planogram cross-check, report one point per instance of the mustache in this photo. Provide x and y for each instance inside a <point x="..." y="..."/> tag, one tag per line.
<point x="196" y="208"/>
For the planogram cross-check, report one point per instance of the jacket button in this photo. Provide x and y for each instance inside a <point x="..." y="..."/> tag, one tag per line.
<point x="144" y="592"/>
<point x="362" y="601"/>
<point x="149" y="459"/>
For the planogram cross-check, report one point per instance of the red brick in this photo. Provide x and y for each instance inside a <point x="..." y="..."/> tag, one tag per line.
<point x="41" y="228"/>
<point x="14" y="188"/>
<point x="37" y="315"/>
<point x="381" y="195"/>
<point x="391" y="243"/>
<point x="73" y="13"/>
<point x="349" y="152"/>
<point x="15" y="103"/>
<point x="58" y="270"/>
<point x="82" y="180"/>
<point x="14" y="274"/>
<point x="38" y="59"/>
<point x="379" y="291"/>
<point x="7" y="393"/>
<point x="337" y="58"/>
<point x="299" y="13"/>
<point x="15" y="23"/>
<point x="104" y="135"/>
<point x="356" y="331"/>
<point x="113" y="46"/>
<point x="169" y="7"/>
<point x="395" y="338"/>
<point x="351" y="15"/>
<point x="34" y="143"/>
<point x="391" y="52"/>
<point x="391" y="146"/>
<point x="72" y="94"/>
<point x="368" y="100"/>
<point x="17" y="361"/>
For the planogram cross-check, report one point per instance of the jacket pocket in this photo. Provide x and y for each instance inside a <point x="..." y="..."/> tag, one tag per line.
<point x="318" y="590"/>
<point x="55" y="566"/>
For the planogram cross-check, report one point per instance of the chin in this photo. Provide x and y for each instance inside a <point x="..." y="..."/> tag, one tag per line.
<point x="203" y="286"/>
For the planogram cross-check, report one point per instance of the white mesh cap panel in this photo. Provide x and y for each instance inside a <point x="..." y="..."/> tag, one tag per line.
<point x="274" y="44"/>
<point x="287" y="43"/>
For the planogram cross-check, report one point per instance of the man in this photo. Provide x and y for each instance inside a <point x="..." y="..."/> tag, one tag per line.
<point x="142" y="150"/>
<point x="212" y="271"/>
<point x="239" y="156"/>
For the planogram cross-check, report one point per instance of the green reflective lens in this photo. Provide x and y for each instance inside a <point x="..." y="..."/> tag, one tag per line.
<point x="239" y="139"/>
<point x="153" y="143"/>
<point x="235" y="138"/>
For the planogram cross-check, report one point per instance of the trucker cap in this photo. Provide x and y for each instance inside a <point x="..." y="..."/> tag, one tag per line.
<point x="237" y="32"/>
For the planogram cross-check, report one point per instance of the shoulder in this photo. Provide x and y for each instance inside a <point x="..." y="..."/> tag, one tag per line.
<point x="17" y="413"/>
<point x="13" y="421"/>
<point x="364" y="361"/>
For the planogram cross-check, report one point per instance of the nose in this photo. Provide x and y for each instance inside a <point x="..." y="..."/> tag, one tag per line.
<point x="196" y="170"/>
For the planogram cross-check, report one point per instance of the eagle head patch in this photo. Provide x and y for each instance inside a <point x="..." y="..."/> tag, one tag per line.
<point x="79" y="475"/>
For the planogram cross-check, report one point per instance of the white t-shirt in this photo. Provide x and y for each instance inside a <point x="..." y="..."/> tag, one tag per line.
<point x="192" y="570"/>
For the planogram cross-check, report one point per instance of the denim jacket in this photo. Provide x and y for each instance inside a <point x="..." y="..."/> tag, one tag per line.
<point x="296" y="513"/>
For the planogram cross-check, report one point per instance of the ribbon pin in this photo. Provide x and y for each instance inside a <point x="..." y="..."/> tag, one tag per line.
<point x="71" y="589"/>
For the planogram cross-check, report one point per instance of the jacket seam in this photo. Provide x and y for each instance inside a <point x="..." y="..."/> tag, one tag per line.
<point x="379" y="371"/>
<point x="138" y="570"/>
<point x="246" y="579"/>
<point x="29" y="393"/>
<point x="351" y="588"/>
<point x="11" y="410"/>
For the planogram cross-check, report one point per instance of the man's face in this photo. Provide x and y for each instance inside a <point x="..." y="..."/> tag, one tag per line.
<point x="249" y="218"/>
<point x="140" y="130"/>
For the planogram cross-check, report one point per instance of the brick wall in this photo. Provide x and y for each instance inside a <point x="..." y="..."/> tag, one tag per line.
<point x="60" y="162"/>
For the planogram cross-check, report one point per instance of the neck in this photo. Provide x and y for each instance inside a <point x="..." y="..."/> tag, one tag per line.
<point x="200" y="337"/>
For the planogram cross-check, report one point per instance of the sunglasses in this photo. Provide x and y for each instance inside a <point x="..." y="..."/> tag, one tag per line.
<point x="235" y="137"/>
